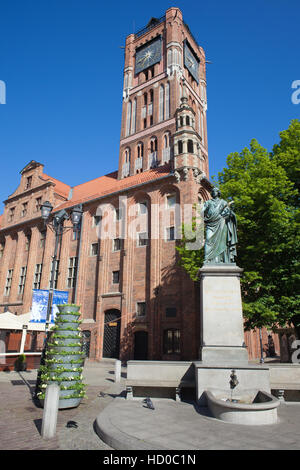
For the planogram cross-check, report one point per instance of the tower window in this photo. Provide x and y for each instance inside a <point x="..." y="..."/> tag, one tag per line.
<point x="187" y="120"/>
<point x="140" y="150"/>
<point x="167" y="98"/>
<point x="161" y="103"/>
<point x="153" y="145"/>
<point x="128" y="118"/>
<point x="133" y="120"/>
<point x="190" y="146"/>
<point x="141" y="309"/>
<point x="94" y="249"/>
<point x="180" y="146"/>
<point x="116" y="277"/>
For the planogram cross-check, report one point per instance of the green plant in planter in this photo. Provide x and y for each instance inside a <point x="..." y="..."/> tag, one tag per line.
<point x="64" y="358"/>
<point x="20" y="363"/>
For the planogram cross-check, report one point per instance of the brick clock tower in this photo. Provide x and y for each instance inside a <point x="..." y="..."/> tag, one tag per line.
<point x="164" y="100"/>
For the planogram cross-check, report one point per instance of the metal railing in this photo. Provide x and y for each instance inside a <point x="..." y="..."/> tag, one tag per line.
<point x="152" y="23"/>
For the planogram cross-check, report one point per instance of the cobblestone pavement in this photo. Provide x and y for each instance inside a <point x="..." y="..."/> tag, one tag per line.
<point x="21" y="419"/>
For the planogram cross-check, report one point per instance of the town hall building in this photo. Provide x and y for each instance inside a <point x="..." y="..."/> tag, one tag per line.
<point x="136" y="301"/>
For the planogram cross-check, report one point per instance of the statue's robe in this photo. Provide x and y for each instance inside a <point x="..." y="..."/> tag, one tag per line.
<point x="221" y="235"/>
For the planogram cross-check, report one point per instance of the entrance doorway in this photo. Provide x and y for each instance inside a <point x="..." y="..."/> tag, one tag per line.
<point x="111" y="338"/>
<point x="141" y="345"/>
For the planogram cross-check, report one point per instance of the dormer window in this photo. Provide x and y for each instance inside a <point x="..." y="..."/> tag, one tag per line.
<point x="24" y="209"/>
<point x="11" y="214"/>
<point x="28" y="182"/>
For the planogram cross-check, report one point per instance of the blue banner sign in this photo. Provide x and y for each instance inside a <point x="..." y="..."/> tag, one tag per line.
<point x="40" y="302"/>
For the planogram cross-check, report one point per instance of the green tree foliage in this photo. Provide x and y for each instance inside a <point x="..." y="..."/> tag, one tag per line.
<point x="263" y="187"/>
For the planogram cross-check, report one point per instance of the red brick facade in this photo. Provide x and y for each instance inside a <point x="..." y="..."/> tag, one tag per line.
<point x="127" y="288"/>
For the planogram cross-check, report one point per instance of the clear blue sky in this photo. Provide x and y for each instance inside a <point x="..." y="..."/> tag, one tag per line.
<point x="63" y="67"/>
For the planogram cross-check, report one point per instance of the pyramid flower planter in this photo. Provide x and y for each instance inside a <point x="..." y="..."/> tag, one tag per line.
<point x="64" y="358"/>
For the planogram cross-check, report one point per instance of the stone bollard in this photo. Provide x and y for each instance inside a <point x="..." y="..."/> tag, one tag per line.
<point x="50" y="411"/>
<point x="117" y="370"/>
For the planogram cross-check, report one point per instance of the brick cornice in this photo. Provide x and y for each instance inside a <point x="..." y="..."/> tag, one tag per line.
<point x="28" y="192"/>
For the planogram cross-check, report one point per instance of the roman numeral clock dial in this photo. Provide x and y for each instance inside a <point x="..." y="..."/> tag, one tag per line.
<point x="148" y="55"/>
<point x="191" y="61"/>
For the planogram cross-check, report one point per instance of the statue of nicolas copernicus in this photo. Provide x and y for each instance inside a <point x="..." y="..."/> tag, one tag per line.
<point x="220" y="230"/>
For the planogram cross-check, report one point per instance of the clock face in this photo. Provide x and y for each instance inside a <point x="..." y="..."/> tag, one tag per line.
<point x="148" y="55"/>
<point x="191" y="62"/>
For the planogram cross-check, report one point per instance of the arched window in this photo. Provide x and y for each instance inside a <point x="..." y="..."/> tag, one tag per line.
<point x="181" y="121"/>
<point x="161" y="103"/>
<point x="140" y="150"/>
<point x="202" y="127"/>
<point x="180" y="146"/>
<point x="175" y="56"/>
<point x="187" y="120"/>
<point x="190" y="146"/>
<point x="166" y="148"/>
<point x="153" y="145"/>
<point x="179" y="58"/>
<point x="128" y="118"/>
<point x="150" y="107"/>
<point x="127" y="155"/>
<point x="167" y="97"/>
<point x="133" y="120"/>
<point x="166" y="141"/>
<point x="169" y="56"/>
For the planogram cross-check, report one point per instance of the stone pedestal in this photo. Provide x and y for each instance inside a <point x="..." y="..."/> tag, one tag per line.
<point x="222" y="334"/>
<point x="222" y="346"/>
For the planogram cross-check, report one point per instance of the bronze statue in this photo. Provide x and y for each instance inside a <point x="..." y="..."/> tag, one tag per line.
<point x="220" y="230"/>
